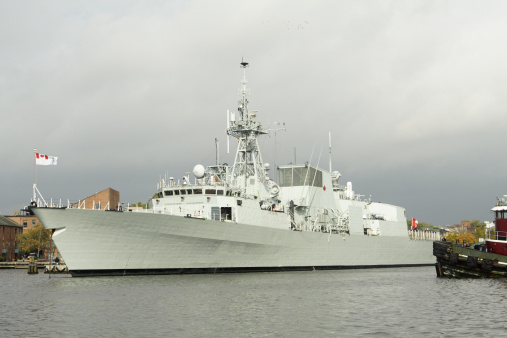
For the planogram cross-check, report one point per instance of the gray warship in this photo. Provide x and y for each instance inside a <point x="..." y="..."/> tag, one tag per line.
<point x="236" y="219"/>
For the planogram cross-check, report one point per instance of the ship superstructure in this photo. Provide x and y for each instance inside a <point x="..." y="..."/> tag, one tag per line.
<point x="235" y="218"/>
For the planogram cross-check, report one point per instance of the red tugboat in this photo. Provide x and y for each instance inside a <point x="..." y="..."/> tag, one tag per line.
<point x="487" y="259"/>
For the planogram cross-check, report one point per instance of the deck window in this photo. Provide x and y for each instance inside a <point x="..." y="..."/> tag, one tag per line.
<point x="189" y="191"/>
<point x="210" y="192"/>
<point x="176" y="192"/>
<point x="183" y="192"/>
<point x="168" y="192"/>
<point x="220" y="192"/>
<point x="197" y="191"/>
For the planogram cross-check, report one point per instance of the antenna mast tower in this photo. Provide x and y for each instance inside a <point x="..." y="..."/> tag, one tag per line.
<point x="248" y="162"/>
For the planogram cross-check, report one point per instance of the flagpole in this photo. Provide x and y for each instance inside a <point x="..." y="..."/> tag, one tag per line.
<point x="35" y="168"/>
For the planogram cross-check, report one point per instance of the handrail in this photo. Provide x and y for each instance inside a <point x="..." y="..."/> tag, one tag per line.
<point x="498" y="236"/>
<point x="424" y="235"/>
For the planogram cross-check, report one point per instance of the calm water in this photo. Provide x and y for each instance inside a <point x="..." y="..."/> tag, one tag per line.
<point x="377" y="302"/>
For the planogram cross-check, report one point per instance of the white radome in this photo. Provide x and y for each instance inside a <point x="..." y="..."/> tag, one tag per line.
<point x="198" y="171"/>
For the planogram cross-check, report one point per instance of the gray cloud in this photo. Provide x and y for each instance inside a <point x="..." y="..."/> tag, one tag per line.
<point x="125" y="91"/>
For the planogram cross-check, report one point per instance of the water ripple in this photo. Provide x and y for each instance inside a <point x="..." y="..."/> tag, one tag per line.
<point x="377" y="302"/>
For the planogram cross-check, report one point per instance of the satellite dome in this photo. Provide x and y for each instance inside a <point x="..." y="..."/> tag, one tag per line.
<point x="198" y="171"/>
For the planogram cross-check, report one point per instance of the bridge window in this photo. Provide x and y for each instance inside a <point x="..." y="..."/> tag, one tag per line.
<point x="210" y="192"/>
<point x="168" y="192"/>
<point x="197" y="191"/>
<point x="299" y="176"/>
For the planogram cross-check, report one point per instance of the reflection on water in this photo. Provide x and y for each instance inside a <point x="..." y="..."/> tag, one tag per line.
<point x="394" y="302"/>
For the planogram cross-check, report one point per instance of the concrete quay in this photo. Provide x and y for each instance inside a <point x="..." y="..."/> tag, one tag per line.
<point x="22" y="265"/>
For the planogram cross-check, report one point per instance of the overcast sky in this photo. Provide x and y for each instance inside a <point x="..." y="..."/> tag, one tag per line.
<point x="124" y="92"/>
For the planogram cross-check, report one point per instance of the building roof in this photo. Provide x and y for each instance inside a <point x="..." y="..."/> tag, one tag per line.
<point x="7" y="222"/>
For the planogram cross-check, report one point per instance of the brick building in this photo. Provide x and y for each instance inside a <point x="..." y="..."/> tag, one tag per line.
<point x="26" y="220"/>
<point x="463" y="226"/>
<point x="8" y="232"/>
<point x="105" y="199"/>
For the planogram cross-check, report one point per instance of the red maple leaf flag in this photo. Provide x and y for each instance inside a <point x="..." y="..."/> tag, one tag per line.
<point x="41" y="159"/>
<point x="415" y="223"/>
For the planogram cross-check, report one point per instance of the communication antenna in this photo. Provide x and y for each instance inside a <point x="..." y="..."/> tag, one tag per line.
<point x="330" y="152"/>
<point x="228" y="126"/>
<point x="275" y="130"/>
<point x="243" y="110"/>
<point x="216" y="147"/>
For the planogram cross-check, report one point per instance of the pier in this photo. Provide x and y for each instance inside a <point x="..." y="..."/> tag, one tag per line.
<point x="47" y="266"/>
<point x="21" y="265"/>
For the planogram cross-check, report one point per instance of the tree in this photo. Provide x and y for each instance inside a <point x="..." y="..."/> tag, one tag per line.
<point x="479" y="228"/>
<point x="36" y="239"/>
<point x="477" y="224"/>
<point x="468" y="237"/>
<point x="144" y="206"/>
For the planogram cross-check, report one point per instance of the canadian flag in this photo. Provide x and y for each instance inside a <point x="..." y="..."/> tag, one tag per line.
<point x="415" y="223"/>
<point x="45" y="159"/>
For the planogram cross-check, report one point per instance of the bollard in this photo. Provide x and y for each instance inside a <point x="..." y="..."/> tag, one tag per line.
<point x="32" y="268"/>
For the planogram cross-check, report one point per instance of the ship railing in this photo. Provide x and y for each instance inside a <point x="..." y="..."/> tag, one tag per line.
<point x="57" y="203"/>
<point x="196" y="184"/>
<point x="39" y="201"/>
<point x="380" y="218"/>
<point x="497" y="236"/>
<point x="80" y="204"/>
<point x="424" y="235"/>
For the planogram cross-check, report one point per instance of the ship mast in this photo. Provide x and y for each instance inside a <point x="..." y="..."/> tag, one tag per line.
<point x="248" y="162"/>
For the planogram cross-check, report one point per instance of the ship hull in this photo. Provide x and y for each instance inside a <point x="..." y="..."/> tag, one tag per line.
<point x="98" y="243"/>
